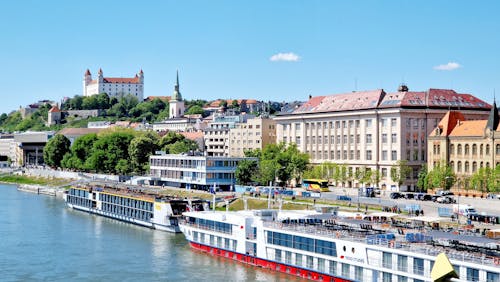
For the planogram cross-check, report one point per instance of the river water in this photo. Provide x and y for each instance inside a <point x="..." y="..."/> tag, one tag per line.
<point x="42" y="240"/>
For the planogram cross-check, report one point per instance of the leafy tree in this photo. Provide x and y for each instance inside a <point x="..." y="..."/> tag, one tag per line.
<point x="441" y="176"/>
<point x="108" y="150"/>
<point x="255" y="153"/>
<point x="479" y="180"/>
<point x="195" y="110"/>
<point x="140" y="148"/>
<point x="376" y="176"/>
<point x="400" y="172"/>
<point x="363" y="175"/>
<point x="55" y="149"/>
<point x="422" y="175"/>
<point x="246" y="172"/>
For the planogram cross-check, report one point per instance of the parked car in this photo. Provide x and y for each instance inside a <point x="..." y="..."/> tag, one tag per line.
<point x="427" y="197"/>
<point x="409" y="196"/>
<point x="445" y="200"/>
<point x="395" y="195"/>
<point x="444" y="193"/>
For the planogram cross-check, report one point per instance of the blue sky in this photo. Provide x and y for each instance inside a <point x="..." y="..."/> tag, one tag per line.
<point x="224" y="49"/>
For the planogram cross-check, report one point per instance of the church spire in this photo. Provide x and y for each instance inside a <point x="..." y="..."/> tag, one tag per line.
<point x="493" y="118"/>
<point x="177" y="94"/>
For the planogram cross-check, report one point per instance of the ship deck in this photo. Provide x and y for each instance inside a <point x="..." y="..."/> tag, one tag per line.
<point x="464" y="246"/>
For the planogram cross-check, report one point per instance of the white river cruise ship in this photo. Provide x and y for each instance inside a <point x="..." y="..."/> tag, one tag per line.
<point x="326" y="246"/>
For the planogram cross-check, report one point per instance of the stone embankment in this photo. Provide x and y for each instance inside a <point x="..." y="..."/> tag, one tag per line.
<point x="41" y="190"/>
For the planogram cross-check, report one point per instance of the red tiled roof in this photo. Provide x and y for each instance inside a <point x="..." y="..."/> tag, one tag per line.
<point x="54" y="109"/>
<point x="469" y="128"/>
<point x="216" y="103"/>
<point x="121" y="80"/>
<point x="449" y="122"/>
<point x="343" y="102"/>
<point x="434" y="98"/>
<point x="193" y="135"/>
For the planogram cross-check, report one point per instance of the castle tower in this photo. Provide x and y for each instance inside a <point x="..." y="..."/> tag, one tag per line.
<point x="141" y="76"/>
<point x="54" y="115"/>
<point x="176" y="103"/>
<point x="87" y="78"/>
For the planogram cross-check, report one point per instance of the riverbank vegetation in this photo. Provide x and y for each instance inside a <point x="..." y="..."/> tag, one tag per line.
<point x="22" y="179"/>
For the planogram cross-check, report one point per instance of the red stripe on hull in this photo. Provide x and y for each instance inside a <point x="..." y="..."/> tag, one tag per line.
<point x="283" y="268"/>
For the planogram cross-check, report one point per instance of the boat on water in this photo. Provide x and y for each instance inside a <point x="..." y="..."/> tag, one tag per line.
<point x="137" y="206"/>
<point x="331" y="246"/>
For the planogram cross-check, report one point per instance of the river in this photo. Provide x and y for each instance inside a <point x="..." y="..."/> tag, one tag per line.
<point x="42" y="240"/>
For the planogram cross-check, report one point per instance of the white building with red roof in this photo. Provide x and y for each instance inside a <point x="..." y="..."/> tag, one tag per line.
<point x="373" y="130"/>
<point x="114" y="86"/>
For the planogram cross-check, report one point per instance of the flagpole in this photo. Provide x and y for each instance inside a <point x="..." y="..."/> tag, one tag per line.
<point x="215" y="186"/>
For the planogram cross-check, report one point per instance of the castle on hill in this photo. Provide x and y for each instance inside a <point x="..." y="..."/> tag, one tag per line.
<point x="114" y="86"/>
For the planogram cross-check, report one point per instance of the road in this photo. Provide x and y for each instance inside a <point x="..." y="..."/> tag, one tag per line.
<point x="486" y="206"/>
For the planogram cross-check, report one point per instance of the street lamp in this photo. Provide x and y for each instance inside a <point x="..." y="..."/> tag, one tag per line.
<point x="458" y="198"/>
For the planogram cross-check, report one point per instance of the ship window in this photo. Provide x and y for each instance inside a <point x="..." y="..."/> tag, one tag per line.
<point x="491" y="277"/>
<point x="332" y="267"/>
<point x="418" y="266"/>
<point x="472" y="274"/>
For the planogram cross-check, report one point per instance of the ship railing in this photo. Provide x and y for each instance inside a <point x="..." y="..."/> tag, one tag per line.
<point x="422" y="248"/>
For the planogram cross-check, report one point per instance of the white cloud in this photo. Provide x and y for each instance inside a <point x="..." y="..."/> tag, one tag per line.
<point x="448" y="67"/>
<point x="285" y="57"/>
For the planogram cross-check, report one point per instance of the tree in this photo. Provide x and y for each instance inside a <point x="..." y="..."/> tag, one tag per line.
<point x="108" y="150"/>
<point x="55" y="149"/>
<point x="195" y="110"/>
<point x="400" y="172"/>
<point x="246" y="172"/>
<point x="363" y="175"/>
<point x="479" y="180"/>
<point x="422" y="176"/>
<point x="376" y="176"/>
<point x="441" y="176"/>
<point x="140" y="148"/>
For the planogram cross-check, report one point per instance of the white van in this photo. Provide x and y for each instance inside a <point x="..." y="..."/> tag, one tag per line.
<point x="464" y="210"/>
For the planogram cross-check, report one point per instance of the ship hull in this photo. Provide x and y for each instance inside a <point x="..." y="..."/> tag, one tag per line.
<point x="172" y="229"/>
<point x="272" y="265"/>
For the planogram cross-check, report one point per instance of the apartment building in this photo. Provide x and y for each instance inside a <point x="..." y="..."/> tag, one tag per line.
<point x="256" y="133"/>
<point x="216" y="137"/>
<point x="373" y="129"/>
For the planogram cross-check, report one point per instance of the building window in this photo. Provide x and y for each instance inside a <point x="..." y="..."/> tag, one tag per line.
<point x="351" y="154"/>
<point x="467" y="150"/>
<point x="351" y="139"/>
<point x="368" y="138"/>
<point x="452" y="149"/>
<point x="394" y="137"/>
<point x="393" y="122"/>
<point x="459" y="166"/>
<point x="384" y="172"/>
<point x="344" y="139"/>
<point x="357" y="123"/>
<point x="368" y="155"/>
<point x="487" y="150"/>
<point x="474" y="149"/>
<point x="474" y="167"/>
<point x="358" y="138"/>
<point x="384" y="138"/>
<point x="368" y="123"/>
<point x="466" y="167"/>
<point x="358" y="154"/>
<point x="394" y="155"/>
<point x="386" y="277"/>
<point x="345" y="154"/>
<point x="384" y="155"/>
<point x="459" y="149"/>
<point x="383" y="122"/>
<point x="481" y="149"/>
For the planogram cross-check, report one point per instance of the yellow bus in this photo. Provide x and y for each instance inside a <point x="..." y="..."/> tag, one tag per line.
<point x="315" y="185"/>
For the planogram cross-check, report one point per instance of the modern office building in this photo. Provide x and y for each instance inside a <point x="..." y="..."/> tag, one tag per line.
<point x="373" y="129"/>
<point x="194" y="172"/>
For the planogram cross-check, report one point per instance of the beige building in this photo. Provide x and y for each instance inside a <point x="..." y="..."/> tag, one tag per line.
<point x="465" y="145"/>
<point x="256" y="133"/>
<point x="373" y="129"/>
<point x="216" y="134"/>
